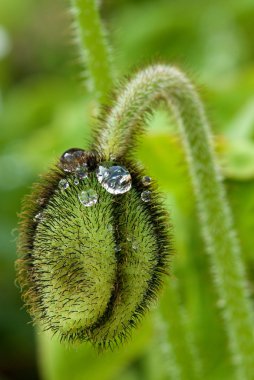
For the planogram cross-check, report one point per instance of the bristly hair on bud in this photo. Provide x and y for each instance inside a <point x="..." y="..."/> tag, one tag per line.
<point x="94" y="246"/>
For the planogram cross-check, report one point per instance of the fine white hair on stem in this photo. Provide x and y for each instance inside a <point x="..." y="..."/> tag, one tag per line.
<point x="94" y="50"/>
<point x="125" y="123"/>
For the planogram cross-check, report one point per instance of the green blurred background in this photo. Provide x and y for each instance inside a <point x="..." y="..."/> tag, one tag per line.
<point x="45" y="109"/>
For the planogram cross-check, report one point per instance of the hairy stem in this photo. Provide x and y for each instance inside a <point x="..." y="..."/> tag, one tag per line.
<point x="93" y="47"/>
<point x="121" y="129"/>
<point x="179" y="335"/>
<point x="163" y="349"/>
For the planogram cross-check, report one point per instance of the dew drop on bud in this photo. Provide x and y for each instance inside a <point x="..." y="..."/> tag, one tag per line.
<point x="146" y="196"/>
<point x="102" y="173"/>
<point x="38" y="217"/>
<point x="115" y="179"/>
<point x="82" y="172"/>
<point x="63" y="184"/>
<point x="88" y="198"/>
<point x="110" y="227"/>
<point x="112" y="157"/>
<point x="134" y="245"/>
<point x="41" y="201"/>
<point x="72" y="159"/>
<point x="146" y="180"/>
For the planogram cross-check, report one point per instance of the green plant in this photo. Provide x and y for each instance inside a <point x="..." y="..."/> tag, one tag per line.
<point x="94" y="245"/>
<point x="115" y="141"/>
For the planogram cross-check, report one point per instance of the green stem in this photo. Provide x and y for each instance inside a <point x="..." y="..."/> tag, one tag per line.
<point x="179" y="335"/>
<point x="163" y="352"/>
<point x="93" y="47"/>
<point x="120" y="131"/>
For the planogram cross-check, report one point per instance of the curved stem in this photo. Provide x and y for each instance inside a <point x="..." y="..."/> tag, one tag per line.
<point x="120" y="131"/>
<point x="93" y="47"/>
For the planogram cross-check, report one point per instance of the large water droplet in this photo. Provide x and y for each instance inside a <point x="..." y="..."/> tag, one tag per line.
<point x="88" y="198"/>
<point x="146" y="196"/>
<point x="146" y="180"/>
<point x="63" y="184"/>
<point x="73" y="159"/>
<point x="102" y="173"/>
<point x="115" y="179"/>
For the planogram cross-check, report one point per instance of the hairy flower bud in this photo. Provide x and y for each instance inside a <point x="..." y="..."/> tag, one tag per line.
<point x="94" y="245"/>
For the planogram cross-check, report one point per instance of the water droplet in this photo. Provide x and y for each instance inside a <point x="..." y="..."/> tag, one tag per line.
<point x="82" y="172"/>
<point x="134" y="246"/>
<point x="38" y="217"/>
<point x="110" y="227"/>
<point x="118" y="248"/>
<point x="88" y="198"/>
<point x="115" y="179"/>
<point x="63" y="184"/>
<point x="73" y="159"/>
<point x="146" y="196"/>
<point x="76" y="181"/>
<point x="40" y="201"/>
<point x="112" y="157"/>
<point x="146" y="180"/>
<point x="102" y="173"/>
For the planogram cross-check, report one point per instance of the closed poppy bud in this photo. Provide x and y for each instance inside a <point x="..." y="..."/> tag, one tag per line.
<point x="93" y="246"/>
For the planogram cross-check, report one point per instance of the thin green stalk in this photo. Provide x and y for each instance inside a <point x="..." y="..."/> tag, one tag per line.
<point x="93" y="47"/>
<point x="177" y="332"/>
<point x="162" y="354"/>
<point x="121" y="129"/>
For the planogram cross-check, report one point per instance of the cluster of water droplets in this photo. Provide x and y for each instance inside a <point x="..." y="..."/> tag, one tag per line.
<point x="74" y="161"/>
<point x="146" y="194"/>
<point x="133" y="242"/>
<point x="114" y="179"/>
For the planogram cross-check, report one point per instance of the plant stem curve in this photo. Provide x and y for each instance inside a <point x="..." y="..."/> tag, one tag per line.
<point x="122" y="128"/>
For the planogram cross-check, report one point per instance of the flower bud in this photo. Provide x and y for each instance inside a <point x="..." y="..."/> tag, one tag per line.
<point x="93" y="247"/>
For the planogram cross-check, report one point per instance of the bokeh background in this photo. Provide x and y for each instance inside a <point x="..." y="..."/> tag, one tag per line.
<point x="45" y="109"/>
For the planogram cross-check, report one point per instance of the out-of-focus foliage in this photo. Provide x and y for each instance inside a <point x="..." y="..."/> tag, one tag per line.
<point x="44" y="110"/>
